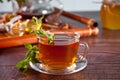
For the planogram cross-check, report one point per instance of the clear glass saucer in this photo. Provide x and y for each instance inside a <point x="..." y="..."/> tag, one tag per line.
<point x="76" y="67"/>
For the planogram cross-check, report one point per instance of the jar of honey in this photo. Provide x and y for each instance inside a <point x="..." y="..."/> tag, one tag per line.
<point x="110" y="14"/>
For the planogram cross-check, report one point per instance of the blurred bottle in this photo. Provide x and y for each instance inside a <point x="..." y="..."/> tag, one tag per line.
<point x="110" y="14"/>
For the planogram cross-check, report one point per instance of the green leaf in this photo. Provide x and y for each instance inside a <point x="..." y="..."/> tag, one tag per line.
<point x="35" y="48"/>
<point x="1" y="0"/>
<point x="28" y="46"/>
<point x="33" y="59"/>
<point x="30" y="56"/>
<point x="20" y="1"/>
<point x="23" y="65"/>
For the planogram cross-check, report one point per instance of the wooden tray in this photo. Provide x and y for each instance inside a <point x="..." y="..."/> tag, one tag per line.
<point x="7" y="41"/>
<point x="12" y="41"/>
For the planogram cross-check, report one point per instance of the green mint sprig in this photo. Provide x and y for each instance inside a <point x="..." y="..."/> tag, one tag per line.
<point x="30" y="56"/>
<point x="40" y="31"/>
<point x="36" y="28"/>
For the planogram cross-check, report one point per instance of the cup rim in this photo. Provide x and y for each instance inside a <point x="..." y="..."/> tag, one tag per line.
<point x="75" y="35"/>
<point x="62" y="36"/>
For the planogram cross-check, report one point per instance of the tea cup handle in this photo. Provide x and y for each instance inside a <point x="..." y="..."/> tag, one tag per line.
<point x="81" y="57"/>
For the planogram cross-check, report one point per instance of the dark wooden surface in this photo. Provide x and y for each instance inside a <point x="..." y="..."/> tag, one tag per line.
<point x="103" y="57"/>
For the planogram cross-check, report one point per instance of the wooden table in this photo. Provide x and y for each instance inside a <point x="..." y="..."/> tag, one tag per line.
<point x="103" y="57"/>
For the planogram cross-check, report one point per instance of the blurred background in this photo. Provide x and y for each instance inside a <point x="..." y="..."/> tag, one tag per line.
<point x="69" y="5"/>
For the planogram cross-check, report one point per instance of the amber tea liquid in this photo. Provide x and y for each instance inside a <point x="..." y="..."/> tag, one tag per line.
<point x="58" y="55"/>
<point x="110" y="16"/>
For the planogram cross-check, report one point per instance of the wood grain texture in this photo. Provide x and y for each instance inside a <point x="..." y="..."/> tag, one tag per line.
<point x="103" y="57"/>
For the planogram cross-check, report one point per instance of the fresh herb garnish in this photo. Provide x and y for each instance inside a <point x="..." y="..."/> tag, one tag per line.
<point x="40" y="31"/>
<point x="36" y="28"/>
<point x="30" y="56"/>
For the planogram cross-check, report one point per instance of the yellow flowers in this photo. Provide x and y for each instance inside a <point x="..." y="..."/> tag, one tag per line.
<point x="34" y="25"/>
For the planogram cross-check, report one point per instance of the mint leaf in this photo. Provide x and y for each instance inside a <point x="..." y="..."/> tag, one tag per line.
<point x="23" y="65"/>
<point x="30" y="56"/>
<point x="41" y="32"/>
<point x="28" y="46"/>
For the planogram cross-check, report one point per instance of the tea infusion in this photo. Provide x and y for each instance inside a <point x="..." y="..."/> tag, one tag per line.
<point x="58" y="55"/>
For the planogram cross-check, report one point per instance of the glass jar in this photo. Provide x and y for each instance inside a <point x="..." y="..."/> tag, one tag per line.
<point x="110" y="14"/>
<point x="29" y="8"/>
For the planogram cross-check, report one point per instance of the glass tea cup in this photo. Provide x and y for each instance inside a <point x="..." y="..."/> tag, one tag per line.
<point x="61" y="56"/>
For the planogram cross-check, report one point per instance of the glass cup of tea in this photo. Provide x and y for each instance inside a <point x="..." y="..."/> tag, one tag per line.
<point x="62" y="56"/>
